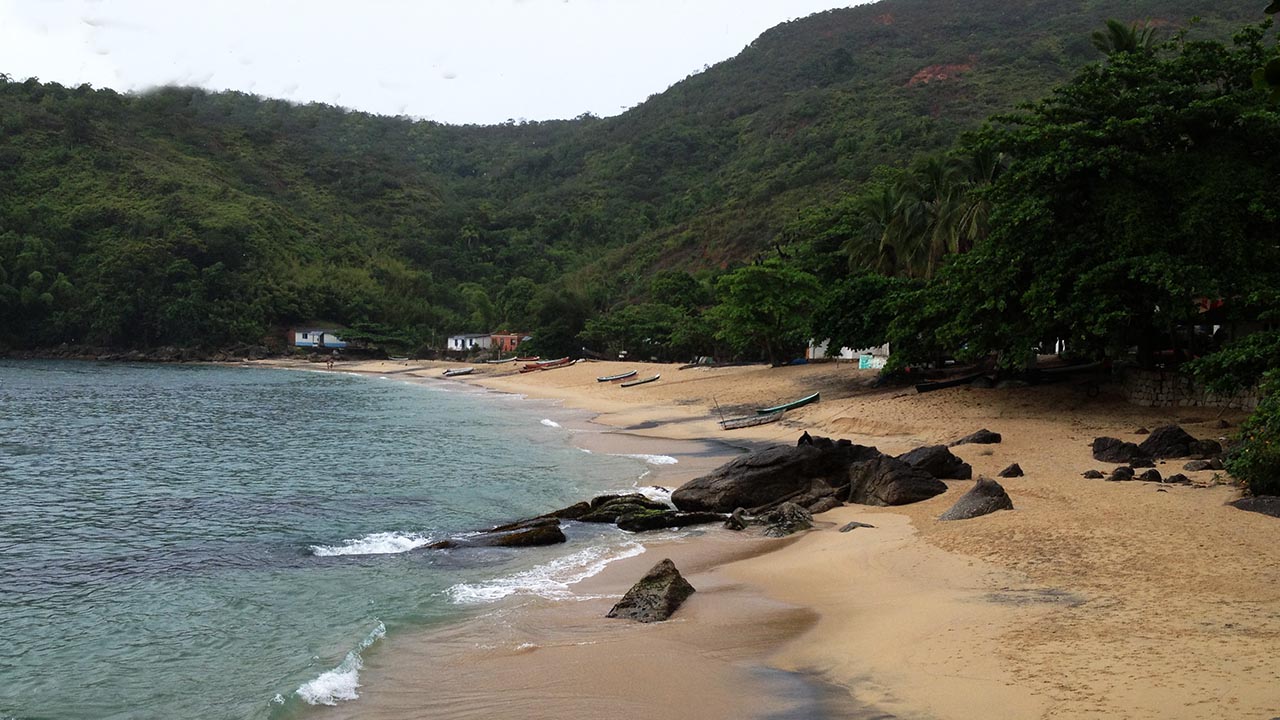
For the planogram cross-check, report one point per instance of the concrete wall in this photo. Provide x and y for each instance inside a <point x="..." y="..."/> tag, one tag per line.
<point x="1155" y="388"/>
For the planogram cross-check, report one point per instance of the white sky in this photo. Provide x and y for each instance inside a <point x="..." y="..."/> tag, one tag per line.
<point x="456" y="61"/>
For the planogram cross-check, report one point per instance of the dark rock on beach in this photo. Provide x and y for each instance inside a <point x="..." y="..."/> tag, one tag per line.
<point x="938" y="461"/>
<point x="889" y="481"/>
<point x="1152" y="475"/>
<point x="655" y="597"/>
<point x="787" y="519"/>
<point x="608" y="508"/>
<point x="1142" y="462"/>
<point x="823" y="504"/>
<point x="764" y="477"/>
<point x="1204" y="448"/>
<point x="986" y="496"/>
<point x="982" y="437"/>
<point x="1114" y="450"/>
<point x="854" y="526"/>
<point x="1014" y="470"/>
<point x="1198" y="465"/>
<point x="1167" y="441"/>
<point x="1121" y="474"/>
<point x="1178" y="479"/>
<point x="1265" y="504"/>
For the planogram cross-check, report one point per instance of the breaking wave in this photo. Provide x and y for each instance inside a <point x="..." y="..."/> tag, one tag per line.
<point x="549" y="580"/>
<point x="374" y="544"/>
<point x="341" y="682"/>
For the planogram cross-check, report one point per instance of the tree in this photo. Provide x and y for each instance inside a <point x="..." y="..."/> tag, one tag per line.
<point x="1121" y="38"/>
<point x="765" y="309"/>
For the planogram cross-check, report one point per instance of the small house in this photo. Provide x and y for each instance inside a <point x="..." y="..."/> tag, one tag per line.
<point x="867" y="358"/>
<point x="317" y="338"/>
<point x="470" y="341"/>
<point x="505" y="342"/>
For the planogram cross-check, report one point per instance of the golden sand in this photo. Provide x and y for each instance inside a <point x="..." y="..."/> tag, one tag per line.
<point x="1090" y="600"/>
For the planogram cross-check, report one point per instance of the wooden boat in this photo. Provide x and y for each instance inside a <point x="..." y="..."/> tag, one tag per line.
<point x="619" y="376"/>
<point x="513" y="358"/>
<point x="547" y="365"/>
<point x="943" y="384"/>
<point x="454" y="372"/>
<point x="642" y="381"/>
<point x="750" y="420"/>
<point x="789" y="406"/>
<point x="531" y="358"/>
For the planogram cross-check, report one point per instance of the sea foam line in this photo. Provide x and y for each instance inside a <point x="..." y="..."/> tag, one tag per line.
<point x="341" y="682"/>
<point x="381" y="543"/>
<point x="653" y="459"/>
<point x="550" y="580"/>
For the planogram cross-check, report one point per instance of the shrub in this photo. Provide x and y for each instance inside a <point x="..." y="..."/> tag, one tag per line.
<point x="1256" y="460"/>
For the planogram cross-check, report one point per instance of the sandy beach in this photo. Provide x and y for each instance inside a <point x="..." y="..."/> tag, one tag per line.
<point x="1089" y="600"/>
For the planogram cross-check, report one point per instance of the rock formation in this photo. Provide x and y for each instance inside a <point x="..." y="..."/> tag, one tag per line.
<point x="655" y="597"/>
<point x="986" y="496"/>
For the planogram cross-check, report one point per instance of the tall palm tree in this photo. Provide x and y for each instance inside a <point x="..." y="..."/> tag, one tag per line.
<point x="1121" y="38"/>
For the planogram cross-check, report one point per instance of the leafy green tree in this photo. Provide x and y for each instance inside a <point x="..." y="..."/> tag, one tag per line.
<point x="766" y="309"/>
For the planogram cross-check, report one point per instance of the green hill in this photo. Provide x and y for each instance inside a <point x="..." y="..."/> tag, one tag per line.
<point x="194" y="218"/>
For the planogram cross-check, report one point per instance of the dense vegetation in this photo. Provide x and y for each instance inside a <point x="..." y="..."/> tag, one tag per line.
<point x="184" y="217"/>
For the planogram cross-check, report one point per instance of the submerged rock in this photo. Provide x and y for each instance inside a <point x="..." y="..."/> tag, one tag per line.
<point x="659" y="519"/>
<point x="656" y="596"/>
<point x="986" y="496"/>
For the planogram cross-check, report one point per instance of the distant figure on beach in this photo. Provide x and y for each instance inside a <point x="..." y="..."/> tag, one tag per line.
<point x="332" y="359"/>
<point x="805" y="439"/>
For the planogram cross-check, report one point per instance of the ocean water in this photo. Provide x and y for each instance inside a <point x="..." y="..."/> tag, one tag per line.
<point x="222" y="542"/>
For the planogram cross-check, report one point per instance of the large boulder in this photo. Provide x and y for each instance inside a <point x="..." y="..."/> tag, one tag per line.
<point x="609" y="508"/>
<point x="526" y="533"/>
<point x="1171" y="441"/>
<point x="767" y="476"/>
<point x="658" y="594"/>
<point x="938" y="461"/>
<point x="889" y="481"/>
<point x="1265" y="504"/>
<point x="1114" y="450"/>
<point x="986" y="496"/>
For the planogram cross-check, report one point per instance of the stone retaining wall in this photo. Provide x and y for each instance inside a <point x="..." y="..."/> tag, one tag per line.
<point x="1155" y="388"/>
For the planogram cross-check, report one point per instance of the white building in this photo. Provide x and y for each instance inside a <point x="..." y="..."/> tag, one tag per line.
<point x="471" y="341"/>
<point x="867" y="358"/>
<point x="317" y="338"/>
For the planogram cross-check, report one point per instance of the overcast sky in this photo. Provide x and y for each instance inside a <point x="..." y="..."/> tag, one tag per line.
<point x="456" y="61"/>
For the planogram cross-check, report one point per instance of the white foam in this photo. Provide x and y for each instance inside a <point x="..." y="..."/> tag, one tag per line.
<point x="550" y="423"/>
<point x="374" y="544"/>
<point x="341" y="682"/>
<point x="654" y="459"/>
<point x="550" y="580"/>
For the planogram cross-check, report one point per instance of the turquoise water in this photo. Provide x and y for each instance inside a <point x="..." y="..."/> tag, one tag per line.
<point x="217" y="542"/>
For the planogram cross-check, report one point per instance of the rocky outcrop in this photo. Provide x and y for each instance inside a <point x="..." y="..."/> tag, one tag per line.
<point x="939" y="462"/>
<point x="1167" y="441"/>
<point x="982" y="437"/>
<point x="1014" y="470"/>
<point x="609" y="508"/>
<point x="655" y="597"/>
<point x="527" y="533"/>
<point x="660" y="519"/>
<point x="1114" y="450"/>
<point x="760" y="478"/>
<point x="986" y="496"/>
<point x="889" y="481"/>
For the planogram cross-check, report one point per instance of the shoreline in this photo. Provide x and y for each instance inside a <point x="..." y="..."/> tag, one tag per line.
<point x="1090" y="599"/>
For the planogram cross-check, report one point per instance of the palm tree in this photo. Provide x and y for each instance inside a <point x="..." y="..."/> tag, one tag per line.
<point x="1121" y="38"/>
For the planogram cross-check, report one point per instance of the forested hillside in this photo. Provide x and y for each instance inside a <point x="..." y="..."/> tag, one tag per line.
<point x="193" y="218"/>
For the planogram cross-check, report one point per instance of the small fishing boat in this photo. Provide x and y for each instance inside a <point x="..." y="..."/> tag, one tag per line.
<point x="455" y="372"/>
<point x="789" y="406"/>
<point x="750" y="420"/>
<point x="531" y="358"/>
<point x="619" y="376"/>
<point x="642" y="381"/>
<point x="942" y="384"/>
<point x="513" y="358"/>
<point x="547" y="365"/>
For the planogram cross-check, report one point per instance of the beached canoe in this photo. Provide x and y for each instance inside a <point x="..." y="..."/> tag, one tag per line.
<point x="641" y="381"/>
<point x="750" y="420"/>
<point x="789" y="406"/>
<point x="619" y="376"/>
<point x="925" y="387"/>
<point x="503" y="360"/>
<point x="454" y="372"/>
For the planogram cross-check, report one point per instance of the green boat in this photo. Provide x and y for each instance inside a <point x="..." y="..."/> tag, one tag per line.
<point x="633" y="383"/>
<point x="789" y="406"/>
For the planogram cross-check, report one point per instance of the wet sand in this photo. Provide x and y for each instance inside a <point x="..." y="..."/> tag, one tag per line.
<point x="1089" y="600"/>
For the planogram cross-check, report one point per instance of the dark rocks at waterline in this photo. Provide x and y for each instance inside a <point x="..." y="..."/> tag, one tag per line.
<point x="1114" y="450"/>
<point x="821" y="505"/>
<point x="660" y="519"/>
<point x="1152" y="475"/>
<point x="985" y="497"/>
<point x="1121" y="474"/>
<point x="608" y="508"/>
<point x="655" y="597"/>
<point x="889" y="481"/>
<point x="1264" y="504"/>
<point x="531" y="535"/>
<point x="1092" y="474"/>
<point x="982" y="437"/>
<point x="939" y="462"/>
<point x="1013" y="471"/>
<point x="786" y="519"/>
<point x="854" y="526"/>
<point x="760" y="478"/>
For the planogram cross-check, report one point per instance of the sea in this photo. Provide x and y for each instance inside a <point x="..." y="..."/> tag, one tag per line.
<point x="228" y="542"/>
